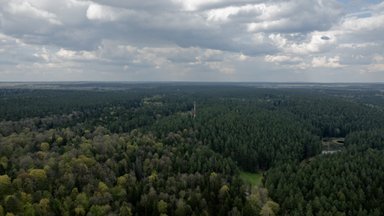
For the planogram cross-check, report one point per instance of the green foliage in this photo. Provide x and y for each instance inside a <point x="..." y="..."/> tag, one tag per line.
<point x="44" y="206"/>
<point x="38" y="174"/>
<point x="5" y="181"/>
<point x="125" y="210"/>
<point x="263" y="139"/>
<point x="270" y="208"/>
<point x="44" y="146"/>
<point x="79" y="210"/>
<point x="334" y="184"/>
<point x="12" y="204"/>
<point x="140" y="151"/>
<point x="102" y="187"/>
<point x="99" y="210"/>
<point x="75" y="184"/>
<point x="162" y="207"/>
<point x="363" y="140"/>
<point x="4" y="162"/>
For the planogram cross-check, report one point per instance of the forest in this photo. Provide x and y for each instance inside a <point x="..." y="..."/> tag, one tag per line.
<point x="191" y="149"/>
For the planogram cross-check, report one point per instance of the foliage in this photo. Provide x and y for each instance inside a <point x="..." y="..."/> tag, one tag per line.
<point x="348" y="183"/>
<point x="139" y="150"/>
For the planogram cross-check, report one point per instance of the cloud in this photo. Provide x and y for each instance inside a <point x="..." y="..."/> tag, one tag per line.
<point x="377" y="64"/>
<point x="357" y="24"/>
<point x="324" y="37"/>
<point x="104" y="13"/>
<point x="283" y="59"/>
<point x="332" y="62"/>
<point x="193" y="5"/>
<point x="227" y="13"/>
<point x="295" y="16"/>
<point x="76" y="55"/>
<point x="25" y="8"/>
<point x="189" y="40"/>
<point x="315" y="43"/>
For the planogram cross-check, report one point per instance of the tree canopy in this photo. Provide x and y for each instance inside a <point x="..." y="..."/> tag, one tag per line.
<point x="142" y="150"/>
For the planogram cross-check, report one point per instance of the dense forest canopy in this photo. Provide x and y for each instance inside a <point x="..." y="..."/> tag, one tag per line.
<point x="180" y="149"/>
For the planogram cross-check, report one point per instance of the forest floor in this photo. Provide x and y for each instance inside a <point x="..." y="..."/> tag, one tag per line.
<point x="251" y="178"/>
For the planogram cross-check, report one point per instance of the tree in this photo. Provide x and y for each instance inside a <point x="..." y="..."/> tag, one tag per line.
<point x="223" y="192"/>
<point x="162" y="207"/>
<point x="44" y="206"/>
<point x="270" y="208"/>
<point x="5" y="183"/>
<point x="181" y="208"/>
<point x="125" y="210"/>
<point x="44" y="146"/>
<point x="12" y="204"/>
<point x="38" y="174"/>
<point x="102" y="187"/>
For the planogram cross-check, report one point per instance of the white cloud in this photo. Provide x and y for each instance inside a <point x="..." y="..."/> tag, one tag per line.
<point x="294" y="16"/>
<point x="76" y="55"/>
<point x="25" y="8"/>
<point x="318" y="42"/>
<point x="224" y="14"/>
<point x="102" y="13"/>
<point x="377" y="64"/>
<point x="66" y="53"/>
<point x="357" y="45"/>
<point x="43" y="54"/>
<point x="192" y="5"/>
<point x="189" y="39"/>
<point x="331" y="62"/>
<point x="243" y="57"/>
<point x="281" y="59"/>
<point x="357" y="24"/>
<point x="375" y="68"/>
<point x="222" y="68"/>
<point x="378" y="58"/>
<point x="278" y="40"/>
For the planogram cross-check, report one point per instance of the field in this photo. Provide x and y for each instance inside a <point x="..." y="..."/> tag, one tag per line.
<point x="332" y="144"/>
<point x="253" y="179"/>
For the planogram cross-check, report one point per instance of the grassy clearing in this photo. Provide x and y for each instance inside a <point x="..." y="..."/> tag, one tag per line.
<point x="251" y="178"/>
<point x="333" y="144"/>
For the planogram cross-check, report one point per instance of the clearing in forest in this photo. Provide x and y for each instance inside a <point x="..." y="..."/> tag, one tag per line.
<point x="253" y="179"/>
<point x="332" y="144"/>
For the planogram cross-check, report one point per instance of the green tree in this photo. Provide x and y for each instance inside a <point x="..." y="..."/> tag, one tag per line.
<point x="162" y="207"/>
<point x="5" y="184"/>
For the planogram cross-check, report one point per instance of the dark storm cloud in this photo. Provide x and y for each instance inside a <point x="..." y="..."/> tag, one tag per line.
<point x="325" y="37"/>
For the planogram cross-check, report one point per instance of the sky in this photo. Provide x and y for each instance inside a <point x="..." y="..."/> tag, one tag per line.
<point x="192" y="40"/>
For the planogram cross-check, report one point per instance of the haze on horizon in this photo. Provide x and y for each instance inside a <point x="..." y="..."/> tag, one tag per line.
<point x="192" y="40"/>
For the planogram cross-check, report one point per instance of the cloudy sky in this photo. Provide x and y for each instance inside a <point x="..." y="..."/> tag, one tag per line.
<point x="192" y="40"/>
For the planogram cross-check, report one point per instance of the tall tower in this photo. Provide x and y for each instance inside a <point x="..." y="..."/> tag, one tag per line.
<point x="194" y="109"/>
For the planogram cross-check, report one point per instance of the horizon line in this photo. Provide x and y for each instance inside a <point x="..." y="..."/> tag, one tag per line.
<point x="171" y="81"/>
